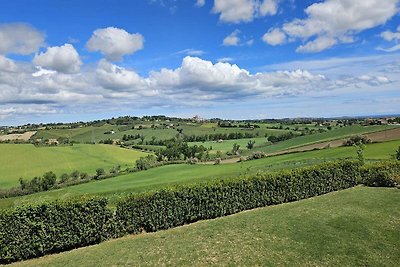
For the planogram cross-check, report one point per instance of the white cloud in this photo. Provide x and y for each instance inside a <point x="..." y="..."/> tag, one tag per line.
<point x="59" y="58"/>
<point x="269" y="7"/>
<point x="113" y="77"/>
<point x="196" y="82"/>
<point x="390" y="49"/>
<point x="274" y="37"/>
<point x="19" y="38"/>
<point x="236" y="11"/>
<point x="7" y="65"/>
<point x="338" y="21"/>
<point x="191" y="52"/>
<point x="114" y="43"/>
<point x="317" y="45"/>
<point x="200" y="3"/>
<point x="232" y="39"/>
<point x="390" y="36"/>
<point x="225" y="59"/>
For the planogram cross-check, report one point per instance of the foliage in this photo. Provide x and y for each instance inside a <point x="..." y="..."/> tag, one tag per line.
<point x="250" y="144"/>
<point x="357" y="139"/>
<point x="385" y="174"/>
<point x="360" y="151"/>
<point x="145" y="163"/>
<point x="177" y="206"/>
<point x="397" y="154"/>
<point x="256" y="155"/>
<point x="29" y="232"/>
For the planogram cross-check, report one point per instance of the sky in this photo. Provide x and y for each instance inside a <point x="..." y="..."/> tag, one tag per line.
<point x="66" y="61"/>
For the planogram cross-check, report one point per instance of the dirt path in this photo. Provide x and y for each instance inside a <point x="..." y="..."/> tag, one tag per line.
<point x="388" y="135"/>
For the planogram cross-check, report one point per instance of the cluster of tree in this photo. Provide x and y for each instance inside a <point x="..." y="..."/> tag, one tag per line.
<point x="219" y="136"/>
<point x="282" y="137"/>
<point x="179" y="150"/>
<point x="145" y="163"/>
<point x="128" y="137"/>
<point x="357" y="139"/>
<point x="38" y="183"/>
<point x="49" y="181"/>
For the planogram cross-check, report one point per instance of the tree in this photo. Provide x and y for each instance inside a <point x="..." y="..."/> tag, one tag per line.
<point x="99" y="172"/>
<point x="49" y="180"/>
<point x="64" y="178"/>
<point x="235" y="148"/>
<point x="250" y="144"/>
<point x="360" y="151"/>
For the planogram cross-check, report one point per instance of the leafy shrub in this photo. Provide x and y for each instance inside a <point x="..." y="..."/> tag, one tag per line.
<point x="28" y="232"/>
<point x="380" y="174"/>
<point x="145" y="163"/>
<point x="356" y="140"/>
<point x="257" y="155"/>
<point x="177" y="206"/>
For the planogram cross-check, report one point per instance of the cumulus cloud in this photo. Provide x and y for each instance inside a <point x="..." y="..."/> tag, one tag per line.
<point x="391" y="36"/>
<point x="19" y="38"/>
<point x="114" y="43"/>
<point x="233" y="39"/>
<point x="7" y="65"/>
<point x="334" y="22"/>
<point x="113" y="77"/>
<point x="274" y="37"/>
<point x="195" y="82"/>
<point x="236" y="11"/>
<point x="59" y="58"/>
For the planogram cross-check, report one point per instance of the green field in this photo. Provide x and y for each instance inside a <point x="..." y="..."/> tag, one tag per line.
<point x="159" y="177"/>
<point x="321" y="137"/>
<point x="354" y="227"/>
<point x="26" y="160"/>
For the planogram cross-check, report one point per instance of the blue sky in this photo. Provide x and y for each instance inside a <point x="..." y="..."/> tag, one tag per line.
<point x="83" y="60"/>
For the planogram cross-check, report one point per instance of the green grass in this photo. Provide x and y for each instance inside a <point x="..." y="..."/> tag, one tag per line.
<point x="354" y="227"/>
<point x="321" y="137"/>
<point x="26" y="160"/>
<point x="160" y="177"/>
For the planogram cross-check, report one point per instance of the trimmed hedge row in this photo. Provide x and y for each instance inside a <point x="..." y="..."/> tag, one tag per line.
<point x="382" y="174"/>
<point x="33" y="231"/>
<point x="178" y="206"/>
<point x="28" y="232"/>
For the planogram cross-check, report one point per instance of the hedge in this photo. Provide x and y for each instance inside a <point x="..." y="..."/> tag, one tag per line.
<point x="383" y="174"/>
<point x="181" y="205"/>
<point x="34" y="231"/>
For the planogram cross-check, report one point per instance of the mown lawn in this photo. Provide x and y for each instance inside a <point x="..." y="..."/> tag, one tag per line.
<point x="160" y="177"/>
<point x="354" y="227"/>
<point x="27" y="161"/>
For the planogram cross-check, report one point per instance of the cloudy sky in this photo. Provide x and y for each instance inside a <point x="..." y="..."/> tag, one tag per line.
<point x="82" y="60"/>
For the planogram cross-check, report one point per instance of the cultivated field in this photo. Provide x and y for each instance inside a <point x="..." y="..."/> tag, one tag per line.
<point x="13" y="137"/>
<point x="27" y="161"/>
<point x="354" y="227"/>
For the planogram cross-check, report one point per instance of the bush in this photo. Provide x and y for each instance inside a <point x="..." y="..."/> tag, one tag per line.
<point x="28" y="232"/>
<point x="357" y="139"/>
<point x="257" y="155"/>
<point x="145" y="163"/>
<point x="380" y="174"/>
<point x="177" y="206"/>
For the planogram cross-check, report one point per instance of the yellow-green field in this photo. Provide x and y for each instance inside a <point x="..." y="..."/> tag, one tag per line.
<point x="26" y="160"/>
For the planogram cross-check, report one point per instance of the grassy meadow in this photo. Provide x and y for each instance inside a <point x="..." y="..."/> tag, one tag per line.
<point x="353" y="227"/>
<point x="27" y="161"/>
<point x="157" y="178"/>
